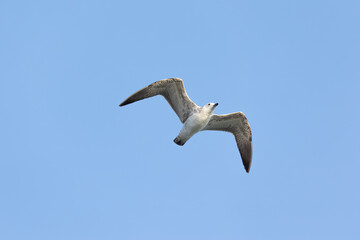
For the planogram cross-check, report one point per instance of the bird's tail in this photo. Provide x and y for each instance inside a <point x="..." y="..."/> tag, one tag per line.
<point x="178" y="141"/>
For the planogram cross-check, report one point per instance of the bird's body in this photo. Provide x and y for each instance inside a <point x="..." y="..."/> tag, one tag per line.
<point x="197" y="118"/>
<point x="195" y="123"/>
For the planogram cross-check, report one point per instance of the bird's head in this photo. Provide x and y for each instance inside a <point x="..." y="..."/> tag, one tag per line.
<point x="210" y="107"/>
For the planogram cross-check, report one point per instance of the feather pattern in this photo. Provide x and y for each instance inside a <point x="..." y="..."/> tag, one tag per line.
<point x="172" y="89"/>
<point x="238" y="125"/>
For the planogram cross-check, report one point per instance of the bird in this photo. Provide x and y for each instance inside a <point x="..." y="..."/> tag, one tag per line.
<point x="196" y="118"/>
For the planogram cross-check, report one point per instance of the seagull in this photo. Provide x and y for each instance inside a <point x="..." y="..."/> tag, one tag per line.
<point x="196" y="118"/>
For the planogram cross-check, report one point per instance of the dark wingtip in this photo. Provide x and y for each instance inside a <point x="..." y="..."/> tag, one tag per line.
<point x="247" y="157"/>
<point x="246" y="162"/>
<point x="126" y="102"/>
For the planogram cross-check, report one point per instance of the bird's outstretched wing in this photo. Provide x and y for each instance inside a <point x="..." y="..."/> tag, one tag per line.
<point x="174" y="92"/>
<point x="237" y="124"/>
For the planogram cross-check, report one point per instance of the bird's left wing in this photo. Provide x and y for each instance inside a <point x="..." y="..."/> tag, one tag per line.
<point x="237" y="124"/>
<point x="172" y="89"/>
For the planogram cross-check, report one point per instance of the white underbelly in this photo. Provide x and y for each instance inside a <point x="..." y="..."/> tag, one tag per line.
<point x="194" y="124"/>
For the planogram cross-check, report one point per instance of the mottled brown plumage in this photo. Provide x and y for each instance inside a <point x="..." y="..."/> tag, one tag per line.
<point x="172" y="90"/>
<point x="197" y="118"/>
<point x="238" y="125"/>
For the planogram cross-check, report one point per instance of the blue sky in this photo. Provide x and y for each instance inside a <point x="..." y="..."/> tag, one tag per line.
<point x="76" y="166"/>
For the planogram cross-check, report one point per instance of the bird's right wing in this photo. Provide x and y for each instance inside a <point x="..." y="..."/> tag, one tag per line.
<point x="237" y="124"/>
<point x="174" y="92"/>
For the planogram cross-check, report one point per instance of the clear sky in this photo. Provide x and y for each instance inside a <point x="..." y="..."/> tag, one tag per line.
<point x="73" y="165"/>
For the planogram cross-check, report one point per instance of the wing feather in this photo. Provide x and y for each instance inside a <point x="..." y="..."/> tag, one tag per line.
<point x="238" y="125"/>
<point x="172" y="89"/>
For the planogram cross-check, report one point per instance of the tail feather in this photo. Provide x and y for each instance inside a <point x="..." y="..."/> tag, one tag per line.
<point x="178" y="141"/>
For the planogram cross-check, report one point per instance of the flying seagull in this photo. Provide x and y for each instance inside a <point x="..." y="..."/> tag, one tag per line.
<point x="197" y="118"/>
